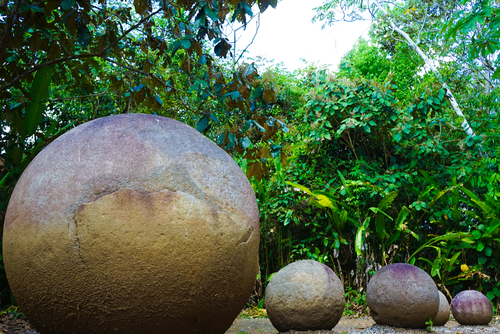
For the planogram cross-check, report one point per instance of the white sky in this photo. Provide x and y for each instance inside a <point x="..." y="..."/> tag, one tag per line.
<point x="286" y="34"/>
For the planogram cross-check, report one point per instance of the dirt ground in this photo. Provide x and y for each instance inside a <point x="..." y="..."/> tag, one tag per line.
<point x="10" y="325"/>
<point x="264" y="326"/>
<point x="361" y="324"/>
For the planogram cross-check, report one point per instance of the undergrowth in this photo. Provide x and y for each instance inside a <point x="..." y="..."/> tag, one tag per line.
<point x="355" y="303"/>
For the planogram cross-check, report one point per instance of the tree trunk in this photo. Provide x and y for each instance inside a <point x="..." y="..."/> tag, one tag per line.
<point x="465" y="124"/>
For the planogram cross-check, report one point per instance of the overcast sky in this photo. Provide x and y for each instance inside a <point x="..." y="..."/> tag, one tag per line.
<point x="286" y="34"/>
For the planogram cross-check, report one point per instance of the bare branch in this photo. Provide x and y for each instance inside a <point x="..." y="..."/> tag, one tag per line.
<point x="465" y="124"/>
<point x="135" y="26"/>
<point x="253" y="39"/>
<point x="78" y="97"/>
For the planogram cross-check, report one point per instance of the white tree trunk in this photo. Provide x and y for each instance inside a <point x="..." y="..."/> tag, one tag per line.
<point x="465" y="124"/>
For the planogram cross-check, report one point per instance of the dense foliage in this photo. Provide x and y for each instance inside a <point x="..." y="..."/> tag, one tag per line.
<point x="63" y="63"/>
<point x="381" y="168"/>
<point x="357" y="168"/>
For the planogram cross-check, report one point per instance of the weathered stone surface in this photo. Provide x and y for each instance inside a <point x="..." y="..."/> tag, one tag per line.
<point x="132" y="224"/>
<point x="471" y="307"/>
<point x="402" y="295"/>
<point x="443" y="314"/>
<point x="305" y="295"/>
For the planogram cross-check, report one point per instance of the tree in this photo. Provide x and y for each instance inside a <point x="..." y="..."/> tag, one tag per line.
<point x="479" y="23"/>
<point x="70" y="61"/>
<point x="65" y="62"/>
<point x="353" y="10"/>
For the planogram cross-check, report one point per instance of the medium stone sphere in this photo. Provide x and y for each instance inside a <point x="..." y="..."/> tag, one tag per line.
<point x="471" y="307"/>
<point x="132" y="224"/>
<point x="443" y="314"/>
<point x="402" y="295"/>
<point x="305" y="295"/>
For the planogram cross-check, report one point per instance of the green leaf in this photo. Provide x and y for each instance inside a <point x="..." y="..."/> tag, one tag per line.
<point x="23" y="7"/>
<point x="403" y="213"/>
<point x="41" y="83"/>
<point x="67" y="4"/>
<point x="343" y="217"/>
<point x="496" y="75"/>
<point x="186" y="43"/>
<point x="380" y="227"/>
<point x="324" y="201"/>
<point x="247" y="126"/>
<point x="345" y="183"/>
<point x="394" y="237"/>
<point x="492" y="228"/>
<point x="441" y="94"/>
<point x="221" y="49"/>
<point x="485" y="207"/>
<point x="488" y="251"/>
<point x="453" y="259"/>
<point x="359" y="241"/>
<point x="33" y="116"/>
<point x="137" y="88"/>
<point x="16" y="154"/>
<point x="469" y="141"/>
<point x="214" y="118"/>
<point x="301" y="187"/>
<point x="200" y="18"/>
<point x="245" y="142"/>
<point x="259" y="126"/>
<point x="83" y="35"/>
<point x="263" y="4"/>
<point x="429" y="179"/>
<point x="257" y="92"/>
<point x="202" y="124"/>
<point x="479" y="246"/>
<point x="38" y="93"/>
<point x="386" y="202"/>
<point x="490" y="295"/>
<point x="214" y="15"/>
<point x="476" y="234"/>
<point x="288" y="218"/>
<point x="160" y="102"/>
<point x="456" y="236"/>
<point x="248" y="9"/>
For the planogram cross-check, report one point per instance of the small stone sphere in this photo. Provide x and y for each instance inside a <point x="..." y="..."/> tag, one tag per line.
<point x="132" y="224"/>
<point x="471" y="307"/>
<point x="305" y="295"/>
<point x="443" y="314"/>
<point x="402" y="295"/>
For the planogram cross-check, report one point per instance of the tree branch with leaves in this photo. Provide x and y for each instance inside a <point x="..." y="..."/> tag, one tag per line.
<point x="378" y="10"/>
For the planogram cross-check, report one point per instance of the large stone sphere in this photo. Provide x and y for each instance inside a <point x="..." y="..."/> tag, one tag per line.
<point x="132" y="224"/>
<point x="305" y="295"/>
<point x="402" y="295"/>
<point x="443" y="314"/>
<point x="471" y="307"/>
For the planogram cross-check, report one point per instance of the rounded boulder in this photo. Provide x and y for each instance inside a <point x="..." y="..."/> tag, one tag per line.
<point x="132" y="224"/>
<point x="443" y="314"/>
<point x="305" y="295"/>
<point x="402" y="295"/>
<point x="471" y="307"/>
